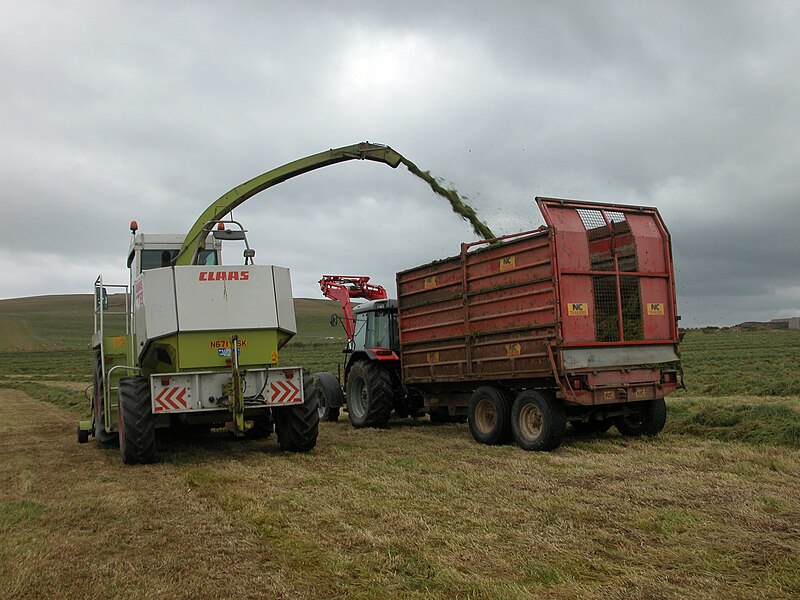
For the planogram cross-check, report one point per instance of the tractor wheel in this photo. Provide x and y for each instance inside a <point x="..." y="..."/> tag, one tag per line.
<point x="538" y="420"/>
<point x="137" y="426"/>
<point x="369" y="395"/>
<point x="489" y="416"/>
<point x="297" y="426"/>
<point x="591" y="427"/>
<point x="103" y="438"/>
<point x="330" y="396"/>
<point x="649" y="420"/>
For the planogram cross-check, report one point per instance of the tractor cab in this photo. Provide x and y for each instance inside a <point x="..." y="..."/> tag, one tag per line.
<point x="376" y="327"/>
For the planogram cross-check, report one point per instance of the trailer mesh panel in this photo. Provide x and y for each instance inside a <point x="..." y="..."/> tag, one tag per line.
<point x="612" y="248"/>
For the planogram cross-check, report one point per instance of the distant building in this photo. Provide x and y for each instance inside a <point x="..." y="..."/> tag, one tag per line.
<point x="791" y="322"/>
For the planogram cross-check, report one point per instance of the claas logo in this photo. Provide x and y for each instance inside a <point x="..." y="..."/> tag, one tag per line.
<point x="224" y="276"/>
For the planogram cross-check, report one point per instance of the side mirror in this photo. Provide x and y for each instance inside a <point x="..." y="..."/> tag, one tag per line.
<point x="102" y="298"/>
<point x="334" y="320"/>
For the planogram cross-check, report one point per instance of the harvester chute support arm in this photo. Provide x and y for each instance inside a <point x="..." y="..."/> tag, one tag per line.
<point x="225" y="204"/>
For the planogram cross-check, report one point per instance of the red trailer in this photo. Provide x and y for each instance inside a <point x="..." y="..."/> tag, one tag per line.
<point x="575" y="322"/>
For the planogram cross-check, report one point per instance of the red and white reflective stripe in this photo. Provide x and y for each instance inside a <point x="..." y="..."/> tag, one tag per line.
<point x="171" y="398"/>
<point x="285" y="392"/>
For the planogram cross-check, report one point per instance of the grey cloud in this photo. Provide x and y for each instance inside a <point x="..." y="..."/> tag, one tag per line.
<point x="151" y="111"/>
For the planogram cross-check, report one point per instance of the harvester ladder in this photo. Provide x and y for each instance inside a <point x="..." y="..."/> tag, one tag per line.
<point x="100" y="314"/>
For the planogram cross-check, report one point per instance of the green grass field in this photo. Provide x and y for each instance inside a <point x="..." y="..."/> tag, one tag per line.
<point x="708" y="509"/>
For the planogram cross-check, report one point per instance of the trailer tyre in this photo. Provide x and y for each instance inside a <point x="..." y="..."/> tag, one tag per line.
<point x="137" y="431"/>
<point x="297" y="426"/>
<point x="538" y="420"/>
<point x="329" y="394"/>
<point x="103" y="438"/>
<point x="489" y="416"/>
<point x="649" y="421"/>
<point x="369" y="395"/>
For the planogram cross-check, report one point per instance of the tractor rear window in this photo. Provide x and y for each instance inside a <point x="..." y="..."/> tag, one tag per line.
<point x="153" y="259"/>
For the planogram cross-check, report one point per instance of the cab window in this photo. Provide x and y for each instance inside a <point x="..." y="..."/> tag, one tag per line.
<point x="152" y="259"/>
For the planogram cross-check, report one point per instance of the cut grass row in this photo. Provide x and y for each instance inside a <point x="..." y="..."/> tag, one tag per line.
<point x="417" y="512"/>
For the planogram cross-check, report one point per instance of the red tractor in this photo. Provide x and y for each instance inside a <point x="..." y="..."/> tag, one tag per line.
<point x="372" y="384"/>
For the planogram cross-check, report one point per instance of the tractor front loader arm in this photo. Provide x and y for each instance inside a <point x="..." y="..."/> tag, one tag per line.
<point x="226" y="203"/>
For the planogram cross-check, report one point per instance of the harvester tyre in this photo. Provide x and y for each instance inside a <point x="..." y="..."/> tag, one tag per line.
<point x="297" y="426"/>
<point x="649" y="421"/>
<point x="369" y="395"/>
<point x="137" y="431"/>
<point x="489" y="416"/>
<point x="538" y="420"/>
<point x="329" y="395"/>
<point x="103" y="438"/>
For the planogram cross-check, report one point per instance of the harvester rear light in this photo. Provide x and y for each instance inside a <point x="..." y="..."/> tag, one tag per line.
<point x="289" y="374"/>
<point x="221" y="226"/>
<point x="109" y="359"/>
<point x="165" y="381"/>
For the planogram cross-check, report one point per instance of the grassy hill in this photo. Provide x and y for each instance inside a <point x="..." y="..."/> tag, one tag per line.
<point x="66" y="322"/>
<point x="764" y="362"/>
<point x="46" y="322"/>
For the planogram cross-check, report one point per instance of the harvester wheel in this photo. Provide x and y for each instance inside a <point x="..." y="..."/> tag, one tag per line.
<point x="83" y="435"/>
<point x="297" y="426"/>
<point x="538" y="420"/>
<point x="369" y="395"/>
<point x="137" y="431"/>
<point x="489" y="416"/>
<point x="103" y="438"/>
<point x="648" y="421"/>
<point x="329" y="394"/>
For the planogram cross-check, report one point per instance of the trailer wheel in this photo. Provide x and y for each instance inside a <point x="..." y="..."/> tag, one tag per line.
<point x="369" y="395"/>
<point x="330" y="396"/>
<point x="137" y="426"/>
<point x="489" y="419"/>
<point x="297" y="426"/>
<point x="538" y="420"/>
<point x="648" y="421"/>
<point x="103" y="438"/>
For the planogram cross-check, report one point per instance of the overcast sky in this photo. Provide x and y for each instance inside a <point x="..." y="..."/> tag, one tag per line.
<point x="112" y="111"/>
